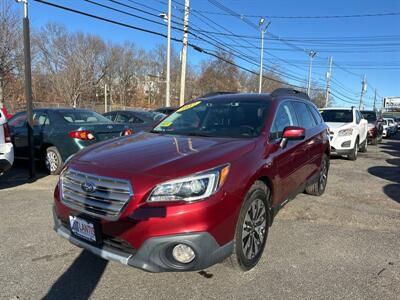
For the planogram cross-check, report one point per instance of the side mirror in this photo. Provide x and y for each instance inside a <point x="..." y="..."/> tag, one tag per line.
<point x="292" y="133"/>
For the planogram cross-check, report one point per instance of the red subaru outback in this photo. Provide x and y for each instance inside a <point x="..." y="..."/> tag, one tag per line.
<point x="202" y="186"/>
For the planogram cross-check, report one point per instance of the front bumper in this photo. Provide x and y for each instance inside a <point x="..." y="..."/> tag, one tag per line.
<point x="153" y="255"/>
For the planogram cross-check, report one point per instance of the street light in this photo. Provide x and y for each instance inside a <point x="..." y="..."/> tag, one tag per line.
<point x="311" y="54"/>
<point x="263" y="29"/>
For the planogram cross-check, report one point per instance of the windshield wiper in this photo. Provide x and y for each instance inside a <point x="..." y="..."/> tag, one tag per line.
<point x="196" y="133"/>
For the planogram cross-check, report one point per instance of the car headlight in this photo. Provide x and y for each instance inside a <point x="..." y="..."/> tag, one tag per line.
<point x="345" y="132"/>
<point x="191" y="188"/>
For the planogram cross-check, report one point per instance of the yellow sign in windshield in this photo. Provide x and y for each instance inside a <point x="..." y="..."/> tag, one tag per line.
<point x="189" y="106"/>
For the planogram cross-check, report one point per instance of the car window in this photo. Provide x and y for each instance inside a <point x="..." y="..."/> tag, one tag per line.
<point x="110" y="116"/>
<point x="82" y="116"/>
<point x="315" y="113"/>
<point x="285" y="116"/>
<point x="18" y="120"/>
<point x="358" y="118"/>
<point x="40" y="119"/>
<point x="337" y="115"/>
<point x="303" y="115"/>
<point x="370" y="116"/>
<point x="135" y="120"/>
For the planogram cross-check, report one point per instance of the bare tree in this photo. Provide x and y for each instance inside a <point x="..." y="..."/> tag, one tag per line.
<point x="11" y="49"/>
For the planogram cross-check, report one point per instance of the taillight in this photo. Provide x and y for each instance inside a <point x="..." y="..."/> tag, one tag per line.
<point x="7" y="135"/>
<point x="127" y="131"/>
<point x="85" y="135"/>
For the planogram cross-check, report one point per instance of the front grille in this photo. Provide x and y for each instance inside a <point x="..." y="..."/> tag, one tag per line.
<point x="106" y="198"/>
<point x="119" y="244"/>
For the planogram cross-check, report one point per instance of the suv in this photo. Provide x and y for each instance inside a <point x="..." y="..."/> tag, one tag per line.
<point x="348" y="131"/>
<point x="375" y="126"/>
<point x="6" y="147"/>
<point x="202" y="186"/>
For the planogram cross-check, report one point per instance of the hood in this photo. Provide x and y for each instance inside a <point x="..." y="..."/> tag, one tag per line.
<point x="336" y="125"/>
<point x="161" y="155"/>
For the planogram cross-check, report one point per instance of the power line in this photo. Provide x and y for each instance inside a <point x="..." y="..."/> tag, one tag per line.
<point x="386" y="14"/>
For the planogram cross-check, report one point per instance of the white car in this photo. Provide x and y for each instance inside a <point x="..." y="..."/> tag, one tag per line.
<point x="389" y="127"/>
<point x="6" y="147"/>
<point x="348" y="131"/>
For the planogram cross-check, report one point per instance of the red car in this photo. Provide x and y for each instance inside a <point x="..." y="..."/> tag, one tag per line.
<point x="203" y="186"/>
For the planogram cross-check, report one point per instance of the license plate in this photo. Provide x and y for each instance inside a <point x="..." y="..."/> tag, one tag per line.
<point x="82" y="228"/>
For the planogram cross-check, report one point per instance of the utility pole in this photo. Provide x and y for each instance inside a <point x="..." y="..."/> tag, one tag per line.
<point x="375" y="101"/>
<point x="168" y="83"/>
<point x="28" y="88"/>
<point x="262" y="31"/>
<point x="328" y="82"/>
<point x="105" y="98"/>
<point x="363" y="90"/>
<point x="184" y="53"/>
<point x="311" y="54"/>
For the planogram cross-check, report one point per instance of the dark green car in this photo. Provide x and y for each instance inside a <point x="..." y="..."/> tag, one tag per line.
<point x="60" y="133"/>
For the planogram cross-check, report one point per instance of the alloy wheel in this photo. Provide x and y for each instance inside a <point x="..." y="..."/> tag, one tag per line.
<point x="323" y="177"/>
<point x="253" y="230"/>
<point x="51" y="161"/>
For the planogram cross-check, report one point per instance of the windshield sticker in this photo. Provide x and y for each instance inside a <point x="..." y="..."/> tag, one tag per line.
<point x="189" y="106"/>
<point x="165" y="124"/>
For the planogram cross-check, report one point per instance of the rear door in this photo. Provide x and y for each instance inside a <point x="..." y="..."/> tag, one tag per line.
<point x="19" y="134"/>
<point x="41" y="130"/>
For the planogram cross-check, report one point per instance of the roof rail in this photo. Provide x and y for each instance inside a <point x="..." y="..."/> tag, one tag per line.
<point x="281" y="92"/>
<point x="216" y="94"/>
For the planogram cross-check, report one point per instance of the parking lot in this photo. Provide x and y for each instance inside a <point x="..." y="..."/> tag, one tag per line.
<point x="344" y="244"/>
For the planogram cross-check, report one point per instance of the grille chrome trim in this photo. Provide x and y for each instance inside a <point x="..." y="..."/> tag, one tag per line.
<point x="108" y="200"/>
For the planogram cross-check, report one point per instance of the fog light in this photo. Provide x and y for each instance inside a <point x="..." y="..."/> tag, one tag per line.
<point x="183" y="253"/>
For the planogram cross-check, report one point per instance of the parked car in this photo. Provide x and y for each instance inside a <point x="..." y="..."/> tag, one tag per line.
<point x="202" y="186"/>
<point x="391" y="128"/>
<point x="348" y="131"/>
<point x="136" y="120"/>
<point x="60" y="133"/>
<point x="166" y="110"/>
<point x="6" y="147"/>
<point x="5" y="113"/>
<point x="375" y="127"/>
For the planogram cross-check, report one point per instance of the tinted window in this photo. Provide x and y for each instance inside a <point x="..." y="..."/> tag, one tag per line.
<point x="285" y="116"/>
<point x="231" y="117"/>
<point x="40" y="119"/>
<point x="370" y="116"/>
<point x="337" y="115"/>
<point x="358" y="117"/>
<point x="110" y="116"/>
<point x="82" y="116"/>
<point x="18" y="120"/>
<point x="303" y="115"/>
<point x="316" y="114"/>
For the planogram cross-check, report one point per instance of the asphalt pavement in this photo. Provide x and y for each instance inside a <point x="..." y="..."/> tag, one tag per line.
<point x="343" y="245"/>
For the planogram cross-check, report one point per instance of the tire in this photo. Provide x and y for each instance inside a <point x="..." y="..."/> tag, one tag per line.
<point x="354" y="153"/>
<point x="375" y="141"/>
<point x="53" y="161"/>
<point x="318" y="188"/>
<point x="251" y="232"/>
<point x="364" y="146"/>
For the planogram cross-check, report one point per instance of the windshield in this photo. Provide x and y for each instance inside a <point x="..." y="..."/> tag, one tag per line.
<point x="234" y="118"/>
<point x="82" y="116"/>
<point x="370" y="116"/>
<point x="337" y="116"/>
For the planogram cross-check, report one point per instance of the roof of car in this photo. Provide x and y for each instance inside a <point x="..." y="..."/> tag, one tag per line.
<point x="336" y="108"/>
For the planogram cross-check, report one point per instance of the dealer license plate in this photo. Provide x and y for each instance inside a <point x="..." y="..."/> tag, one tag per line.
<point x="82" y="228"/>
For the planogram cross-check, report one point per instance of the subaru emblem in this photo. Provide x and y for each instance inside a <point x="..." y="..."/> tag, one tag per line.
<point x="109" y="127"/>
<point x="88" y="187"/>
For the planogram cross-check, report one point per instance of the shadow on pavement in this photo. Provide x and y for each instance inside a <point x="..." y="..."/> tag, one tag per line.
<point x="80" y="280"/>
<point x="19" y="174"/>
<point x="390" y="173"/>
